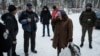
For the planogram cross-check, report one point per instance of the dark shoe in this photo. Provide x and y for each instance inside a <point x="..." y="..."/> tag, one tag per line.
<point x="15" y="54"/>
<point x="52" y="39"/>
<point x="48" y="35"/>
<point x="34" y="51"/>
<point x="90" y="46"/>
<point x="26" y="54"/>
<point x="43" y="35"/>
<point x="81" y="45"/>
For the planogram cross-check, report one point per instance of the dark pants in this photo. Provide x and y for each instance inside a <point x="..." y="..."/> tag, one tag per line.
<point x="48" y="31"/>
<point x="13" y="49"/>
<point x="90" y="30"/>
<point x="1" y="53"/>
<point x="58" y="51"/>
<point x="28" y="35"/>
<point x="9" y="53"/>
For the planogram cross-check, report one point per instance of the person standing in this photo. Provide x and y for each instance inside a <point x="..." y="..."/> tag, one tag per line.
<point x="11" y="26"/>
<point x="87" y="21"/>
<point x="63" y="33"/>
<point x="54" y="12"/>
<point x="45" y="17"/>
<point x="28" y="19"/>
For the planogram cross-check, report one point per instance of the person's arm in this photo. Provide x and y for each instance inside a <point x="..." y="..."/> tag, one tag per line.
<point x="24" y="21"/>
<point x="41" y="17"/>
<point x="70" y="30"/>
<point x="23" y="18"/>
<point x="36" y="18"/>
<point x="94" y="18"/>
<point x="80" y="18"/>
<point x="50" y="15"/>
<point x="9" y="25"/>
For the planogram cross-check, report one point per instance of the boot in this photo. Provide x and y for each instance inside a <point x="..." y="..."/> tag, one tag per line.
<point x="34" y="51"/>
<point x="14" y="54"/>
<point x="90" y="44"/>
<point x="81" y="45"/>
<point x="43" y="35"/>
<point x="48" y="35"/>
<point x="26" y="54"/>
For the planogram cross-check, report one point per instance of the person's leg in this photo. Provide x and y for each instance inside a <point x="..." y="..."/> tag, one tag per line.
<point x="14" y="45"/>
<point x="33" y="36"/>
<point x="26" y="41"/>
<point x="58" y="51"/>
<point x="9" y="53"/>
<point x="48" y="31"/>
<point x="83" y="36"/>
<point x="43" y="30"/>
<point x="13" y="49"/>
<point x="90" y="30"/>
<point x="1" y="53"/>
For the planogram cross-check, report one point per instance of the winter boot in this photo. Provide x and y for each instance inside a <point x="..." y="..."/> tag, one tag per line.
<point x="26" y="54"/>
<point x="43" y="35"/>
<point x="34" y="51"/>
<point x="48" y="35"/>
<point x="81" y="45"/>
<point x="90" y="44"/>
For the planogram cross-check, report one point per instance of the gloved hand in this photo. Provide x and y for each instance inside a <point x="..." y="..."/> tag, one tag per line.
<point x="5" y="35"/>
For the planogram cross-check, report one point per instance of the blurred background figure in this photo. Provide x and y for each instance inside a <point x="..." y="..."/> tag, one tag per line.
<point x="45" y="17"/>
<point x="54" y="12"/>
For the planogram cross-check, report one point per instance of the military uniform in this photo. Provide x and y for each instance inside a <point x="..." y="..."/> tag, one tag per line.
<point x="87" y="20"/>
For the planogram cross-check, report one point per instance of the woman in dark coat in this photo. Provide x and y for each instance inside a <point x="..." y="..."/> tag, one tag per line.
<point x="63" y="31"/>
<point x="45" y="18"/>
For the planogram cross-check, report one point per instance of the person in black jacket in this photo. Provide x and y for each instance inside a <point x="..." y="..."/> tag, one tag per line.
<point x="28" y="19"/>
<point x="45" y="18"/>
<point x="11" y="26"/>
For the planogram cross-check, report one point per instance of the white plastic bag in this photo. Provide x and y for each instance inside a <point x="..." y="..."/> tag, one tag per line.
<point x="67" y="51"/>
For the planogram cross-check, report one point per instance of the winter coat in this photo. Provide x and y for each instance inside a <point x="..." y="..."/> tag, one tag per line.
<point x="27" y="26"/>
<point x="45" y="17"/>
<point x="87" y="18"/>
<point x="10" y="24"/>
<point x="63" y="33"/>
<point x="5" y="44"/>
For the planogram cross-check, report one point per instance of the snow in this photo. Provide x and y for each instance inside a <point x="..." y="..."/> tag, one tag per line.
<point x="44" y="44"/>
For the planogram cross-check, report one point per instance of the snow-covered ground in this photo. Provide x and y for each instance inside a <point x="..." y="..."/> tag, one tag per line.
<point x="44" y="44"/>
